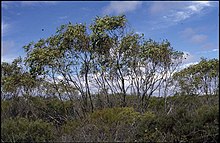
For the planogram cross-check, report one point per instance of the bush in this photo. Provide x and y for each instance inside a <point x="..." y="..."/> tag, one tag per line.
<point x="191" y="119"/>
<point x="5" y="106"/>
<point x="110" y="124"/>
<point x="208" y="114"/>
<point x="207" y="121"/>
<point x="146" y="128"/>
<point x="23" y="130"/>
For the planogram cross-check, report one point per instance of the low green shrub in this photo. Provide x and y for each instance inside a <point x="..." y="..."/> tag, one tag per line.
<point x="23" y="130"/>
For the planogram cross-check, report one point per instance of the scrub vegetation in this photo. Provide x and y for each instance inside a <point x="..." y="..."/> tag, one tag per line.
<point x="106" y="83"/>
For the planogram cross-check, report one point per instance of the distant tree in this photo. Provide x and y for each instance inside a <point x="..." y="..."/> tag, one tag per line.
<point x="111" y="44"/>
<point x="198" y="79"/>
<point x="16" y="80"/>
<point x="152" y="65"/>
<point x="125" y="62"/>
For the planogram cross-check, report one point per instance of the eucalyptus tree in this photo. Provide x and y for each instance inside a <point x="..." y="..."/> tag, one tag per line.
<point x="126" y="61"/>
<point x="105" y="57"/>
<point x="66" y="54"/>
<point x="153" y="65"/>
<point x="110" y="61"/>
<point x="209" y="74"/>
<point x="201" y="78"/>
<point x="16" y="81"/>
<point x="70" y="51"/>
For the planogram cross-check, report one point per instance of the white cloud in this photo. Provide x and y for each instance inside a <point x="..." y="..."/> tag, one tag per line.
<point x="167" y="14"/>
<point x="5" y="27"/>
<point x="119" y="7"/>
<point x="208" y="46"/>
<point x="198" y="6"/>
<point x="7" y="59"/>
<point x="215" y="50"/>
<point x="163" y="7"/>
<point x="139" y="33"/>
<point x="29" y="3"/>
<point x="200" y="38"/>
<point x="4" y="5"/>
<point x="188" y="64"/>
<point x="193" y="36"/>
<point x="8" y="51"/>
<point x="7" y="4"/>
<point x="180" y="16"/>
<point x="188" y="11"/>
<point x="187" y="57"/>
<point x="187" y="32"/>
<point x="7" y="47"/>
<point x="63" y="17"/>
<point x="210" y="51"/>
<point x="157" y="7"/>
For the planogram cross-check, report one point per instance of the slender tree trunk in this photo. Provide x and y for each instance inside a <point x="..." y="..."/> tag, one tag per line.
<point x="87" y="87"/>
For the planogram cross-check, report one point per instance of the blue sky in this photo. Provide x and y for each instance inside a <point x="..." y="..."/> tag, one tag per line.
<point x="192" y="27"/>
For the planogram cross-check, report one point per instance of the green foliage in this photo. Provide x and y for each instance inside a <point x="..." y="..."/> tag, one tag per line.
<point x="23" y="130"/>
<point x="206" y="114"/>
<point x="110" y="124"/>
<point x="113" y="115"/>
<point x="156" y="104"/>
<point x="108" y="23"/>
<point x="14" y="74"/>
<point x="202" y="78"/>
<point x="192" y="118"/>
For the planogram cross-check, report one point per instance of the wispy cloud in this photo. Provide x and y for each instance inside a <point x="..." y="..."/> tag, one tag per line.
<point x="187" y="32"/>
<point x="199" y="38"/>
<point x="208" y="46"/>
<point x="187" y="10"/>
<point x="209" y="51"/>
<point x="7" y="59"/>
<point x="4" y="28"/>
<point x="119" y="7"/>
<point x="188" y="64"/>
<point x="30" y="3"/>
<point x="7" y="47"/>
<point x="63" y="17"/>
<point x="187" y="57"/>
<point x="199" y="5"/>
<point x="193" y="36"/>
<point x="9" y="51"/>
<point x="167" y="14"/>
<point x="215" y="50"/>
<point x="162" y="6"/>
<point x="8" y="4"/>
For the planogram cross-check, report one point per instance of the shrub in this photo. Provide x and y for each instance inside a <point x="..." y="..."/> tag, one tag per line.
<point x="207" y="114"/>
<point x="23" y="130"/>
